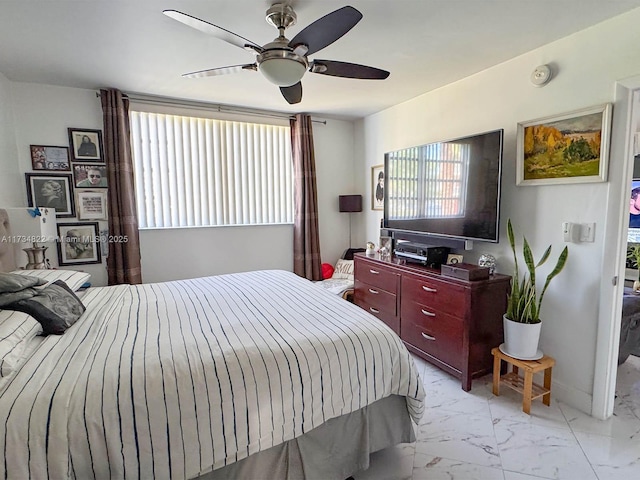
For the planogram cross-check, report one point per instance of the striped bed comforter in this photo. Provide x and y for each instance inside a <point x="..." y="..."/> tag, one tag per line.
<point x="176" y="379"/>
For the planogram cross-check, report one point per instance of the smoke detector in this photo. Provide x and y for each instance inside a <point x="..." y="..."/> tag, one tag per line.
<point x="541" y="75"/>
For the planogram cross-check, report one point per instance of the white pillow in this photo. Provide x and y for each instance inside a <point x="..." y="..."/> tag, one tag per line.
<point x="343" y="269"/>
<point x="17" y="329"/>
<point x="73" y="278"/>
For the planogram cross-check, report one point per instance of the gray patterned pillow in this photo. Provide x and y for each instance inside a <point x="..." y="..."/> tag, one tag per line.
<point x="55" y="306"/>
<point x="10" y="282"/>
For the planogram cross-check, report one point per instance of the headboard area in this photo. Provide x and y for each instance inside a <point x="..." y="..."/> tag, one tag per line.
<point x="7" y="250"/>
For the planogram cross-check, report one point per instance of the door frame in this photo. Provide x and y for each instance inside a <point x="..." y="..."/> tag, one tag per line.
<point x="625" y="121"/>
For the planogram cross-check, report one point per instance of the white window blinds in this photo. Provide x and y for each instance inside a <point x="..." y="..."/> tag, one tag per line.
<point x="199" y="171"/>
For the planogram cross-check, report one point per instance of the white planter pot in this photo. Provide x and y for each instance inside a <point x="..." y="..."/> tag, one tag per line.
<point x="521" y="339"/>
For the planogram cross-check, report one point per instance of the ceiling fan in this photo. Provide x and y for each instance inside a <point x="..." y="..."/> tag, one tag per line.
<point x="282" y="61"/>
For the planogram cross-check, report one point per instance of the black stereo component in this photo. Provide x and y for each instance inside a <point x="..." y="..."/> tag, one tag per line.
<point x="423" y="254"/>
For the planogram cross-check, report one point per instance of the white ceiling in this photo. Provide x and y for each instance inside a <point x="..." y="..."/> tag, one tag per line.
<point x="425" y="44"/>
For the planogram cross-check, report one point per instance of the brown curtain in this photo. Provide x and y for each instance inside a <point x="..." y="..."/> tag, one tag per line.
<point x="123" y="263"/>
<point x="306" y="242"/>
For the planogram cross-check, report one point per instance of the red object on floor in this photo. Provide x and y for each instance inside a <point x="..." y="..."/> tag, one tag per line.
<point x="327" y="270"/>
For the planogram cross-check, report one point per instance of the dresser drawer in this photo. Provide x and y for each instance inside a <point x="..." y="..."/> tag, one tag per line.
<point x="445" y="297"/>
<point x="391" y="320"/>
<point x="440" y="337"/>
<point x="430" y="317"/>
<point x="376" y="275"/>
<point x="375" y="297"/>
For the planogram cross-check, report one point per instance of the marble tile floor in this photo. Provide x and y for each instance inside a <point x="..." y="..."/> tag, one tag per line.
<point x="477" y="436"/>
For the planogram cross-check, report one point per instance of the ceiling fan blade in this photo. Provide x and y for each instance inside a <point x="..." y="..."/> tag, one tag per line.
<point x="211" y="29"/>
<point x="212" y="72"/>
<point x="347" y="70"/>
<point x="326" y="30"/>
<point x="292" y="94"/>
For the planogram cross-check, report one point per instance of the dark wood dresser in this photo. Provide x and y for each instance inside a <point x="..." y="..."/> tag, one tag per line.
<point x="451" y="323"/>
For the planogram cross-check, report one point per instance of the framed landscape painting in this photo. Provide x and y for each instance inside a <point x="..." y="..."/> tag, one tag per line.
<point x="568" y="148"/>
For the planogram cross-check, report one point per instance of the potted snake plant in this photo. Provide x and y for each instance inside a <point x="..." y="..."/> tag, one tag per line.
<point x="522" y="322"/>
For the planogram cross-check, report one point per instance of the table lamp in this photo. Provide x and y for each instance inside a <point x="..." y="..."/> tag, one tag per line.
<point x="33" y="226"/>
<point x="349" y="204"/>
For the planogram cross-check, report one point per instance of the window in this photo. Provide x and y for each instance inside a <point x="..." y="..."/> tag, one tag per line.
<point x="199" y="171"/>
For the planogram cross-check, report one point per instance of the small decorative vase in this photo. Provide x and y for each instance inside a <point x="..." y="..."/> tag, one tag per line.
<point x="521" y="339"/>
<point x="636" y="286"/>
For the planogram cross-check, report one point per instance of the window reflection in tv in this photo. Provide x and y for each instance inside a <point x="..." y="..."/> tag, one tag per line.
<point x="447" y="189"/>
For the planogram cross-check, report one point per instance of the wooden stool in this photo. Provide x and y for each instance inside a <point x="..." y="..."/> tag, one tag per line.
<point x="526" y="387"/>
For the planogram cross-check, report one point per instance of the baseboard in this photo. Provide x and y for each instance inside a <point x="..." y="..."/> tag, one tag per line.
<point x="571" y="396"/>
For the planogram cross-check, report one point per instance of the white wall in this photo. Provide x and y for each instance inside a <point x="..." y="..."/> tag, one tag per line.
<point x="43" y="114"/>
<point x="587" y="65"/>
<point x="11" y="178"/>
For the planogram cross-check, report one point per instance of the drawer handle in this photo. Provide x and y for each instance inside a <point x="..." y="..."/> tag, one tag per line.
<point x="375" y="292"/>
<point x="428" y="314"/>
<point x="428" y="337"/>
<point x="374" y="310"/>
<point x="375" y="272"/>
<point x="430" y="290"/>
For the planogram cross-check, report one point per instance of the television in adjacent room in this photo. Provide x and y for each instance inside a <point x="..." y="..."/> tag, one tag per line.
<point x="448" y="189"/>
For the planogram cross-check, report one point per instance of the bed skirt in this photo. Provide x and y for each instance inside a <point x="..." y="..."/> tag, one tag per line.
<point x="335" y="450"/>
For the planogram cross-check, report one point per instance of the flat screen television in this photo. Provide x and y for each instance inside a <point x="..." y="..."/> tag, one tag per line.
<point x="446" y="189"/>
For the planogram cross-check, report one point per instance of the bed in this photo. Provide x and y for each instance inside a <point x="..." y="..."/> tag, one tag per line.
<point x="253" y="375"/>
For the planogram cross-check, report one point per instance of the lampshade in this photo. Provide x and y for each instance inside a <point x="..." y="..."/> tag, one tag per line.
<point x="30" y="226"/>
<point x="282" y="71"/>
<point x="350" y="203"/>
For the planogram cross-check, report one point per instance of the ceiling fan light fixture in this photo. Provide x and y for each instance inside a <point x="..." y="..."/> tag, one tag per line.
<point x="282" y="67"/>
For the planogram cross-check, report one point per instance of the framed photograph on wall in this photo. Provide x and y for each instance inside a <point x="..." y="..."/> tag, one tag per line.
<point x="91" y="205"/>
<point x="568" y="148"/>
<point x="46" y="157"/>
<point x="86" y="145"/>
<point x="79" y="243"/>
<point x="377" y="187"/>
<point x="52" y="190"/>
<point x="89" y="175"/>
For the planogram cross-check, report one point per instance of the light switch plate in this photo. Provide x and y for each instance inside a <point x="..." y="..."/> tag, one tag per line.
<point x="587" y="232"/>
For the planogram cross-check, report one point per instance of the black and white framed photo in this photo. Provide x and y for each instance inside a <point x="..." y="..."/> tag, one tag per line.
<point x="86" y="145"/>
<point x="91" y="205"/>
<point x="89" y="175"/>
<point x="52" y="190"/>
<point x="48" y="157"/>
<point x="377" y="187"/>
<point x="79" y="243"/>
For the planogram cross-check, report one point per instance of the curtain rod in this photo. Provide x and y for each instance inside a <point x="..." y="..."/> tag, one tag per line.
<point x="177" y="102"/>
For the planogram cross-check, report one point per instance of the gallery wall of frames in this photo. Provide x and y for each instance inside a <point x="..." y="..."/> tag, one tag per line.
<point x="73" y="180"/>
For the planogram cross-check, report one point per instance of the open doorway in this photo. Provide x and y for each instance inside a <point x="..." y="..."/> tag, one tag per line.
<point x="606" y="387"/>
<point x="627" y="390"/>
